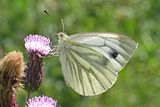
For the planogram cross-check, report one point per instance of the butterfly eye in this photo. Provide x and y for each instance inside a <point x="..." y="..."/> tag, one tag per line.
<point x="60" y="34"/>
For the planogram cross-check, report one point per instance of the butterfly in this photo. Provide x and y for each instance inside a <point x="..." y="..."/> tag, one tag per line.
<point x="91" y="61"/>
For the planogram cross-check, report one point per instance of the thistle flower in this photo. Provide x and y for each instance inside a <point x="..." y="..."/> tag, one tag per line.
<point x="37" y="47"/>
<point x="38" y="44"/>
<point x="11" y="71"/>
<point x="41" y="101"/>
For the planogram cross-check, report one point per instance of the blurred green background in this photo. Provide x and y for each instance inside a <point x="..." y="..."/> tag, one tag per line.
<point x="138" y="83"/>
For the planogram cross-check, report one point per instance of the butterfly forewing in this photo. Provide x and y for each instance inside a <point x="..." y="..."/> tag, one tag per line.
<point x="91" y="61"/>
<point x="116" y="48"/>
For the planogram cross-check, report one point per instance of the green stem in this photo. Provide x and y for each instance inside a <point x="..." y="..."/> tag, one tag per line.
<point x="28" y="95"/>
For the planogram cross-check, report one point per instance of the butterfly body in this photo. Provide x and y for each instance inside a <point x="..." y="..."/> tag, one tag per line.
<point x="91" y="61"/>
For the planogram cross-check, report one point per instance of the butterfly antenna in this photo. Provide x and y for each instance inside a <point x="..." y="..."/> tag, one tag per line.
<point x="51" y="18"/>
<point x="45" y="11"/>
<point x="62" y="25"/>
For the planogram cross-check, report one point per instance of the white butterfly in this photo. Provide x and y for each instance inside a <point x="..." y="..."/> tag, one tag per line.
<point x="91" y="61"/>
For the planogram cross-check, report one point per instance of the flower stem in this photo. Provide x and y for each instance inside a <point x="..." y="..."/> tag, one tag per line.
<point x="28" y="96"/>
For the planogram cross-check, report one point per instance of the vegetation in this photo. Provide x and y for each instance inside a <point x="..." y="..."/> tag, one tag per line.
<point x="138" y="83"/>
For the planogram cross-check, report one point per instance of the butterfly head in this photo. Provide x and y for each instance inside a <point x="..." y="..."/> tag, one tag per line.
<point x="61" y="36"/>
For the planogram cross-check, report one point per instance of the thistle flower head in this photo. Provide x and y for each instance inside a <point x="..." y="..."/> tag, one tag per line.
<point x="38" y="44"/>
<point x="38" y="47"/>
<point x="41" y="101"/>
<point x="11" y="72"/>
<point x="12" y="69"/>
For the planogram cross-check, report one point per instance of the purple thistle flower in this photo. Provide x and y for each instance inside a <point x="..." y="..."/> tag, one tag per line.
<point x="41" y="101"/>
<point x="38" y="47"/>
<point x="38" y="44"/>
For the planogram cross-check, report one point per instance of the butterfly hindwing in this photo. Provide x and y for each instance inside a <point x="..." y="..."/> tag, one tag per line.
<point x="86" y="71"/>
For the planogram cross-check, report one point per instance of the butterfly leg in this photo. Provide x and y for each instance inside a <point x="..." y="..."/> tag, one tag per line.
<point x="54" y="51"/>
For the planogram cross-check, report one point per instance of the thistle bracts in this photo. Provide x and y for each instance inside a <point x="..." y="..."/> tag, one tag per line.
<point x="33" y="72"/>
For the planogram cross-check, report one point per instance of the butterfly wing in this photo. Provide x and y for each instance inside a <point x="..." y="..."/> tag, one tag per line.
<point x="91" y="61"/>
<point x="119" y="48"/>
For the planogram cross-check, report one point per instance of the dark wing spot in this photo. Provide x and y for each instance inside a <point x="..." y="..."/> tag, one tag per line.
<point x="105" y="62"/>
<point x="114" y="54"/>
